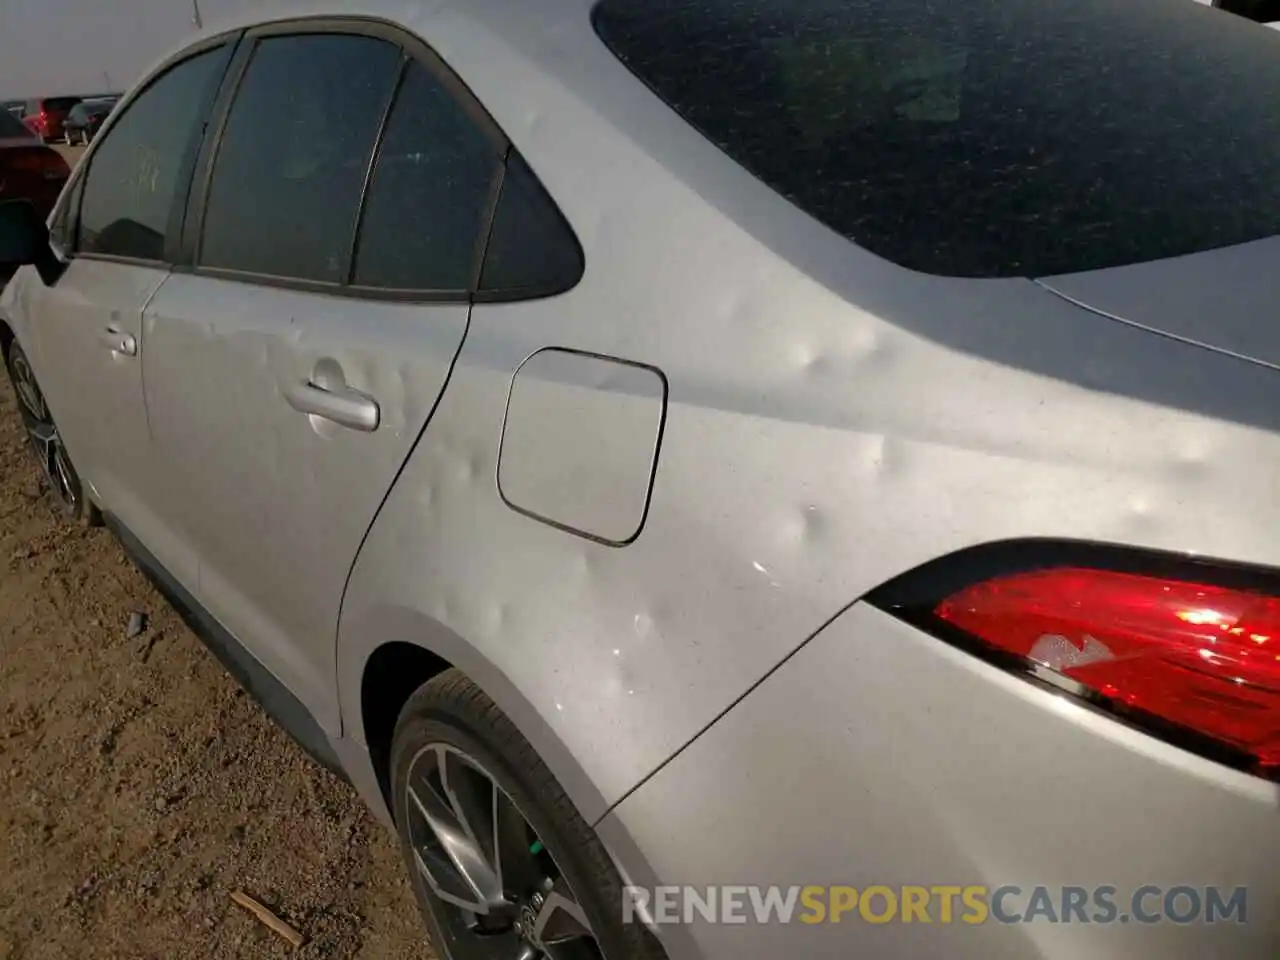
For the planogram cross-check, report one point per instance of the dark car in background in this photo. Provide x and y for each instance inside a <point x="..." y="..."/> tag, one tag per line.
<point x="16" y="108"/>
<point x="45" y="116"/>
<point x="85" y="119"/>
<point x="29" y="170"/>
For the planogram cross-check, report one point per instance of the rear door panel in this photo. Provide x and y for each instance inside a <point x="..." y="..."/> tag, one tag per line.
<point x="277" y="501"/>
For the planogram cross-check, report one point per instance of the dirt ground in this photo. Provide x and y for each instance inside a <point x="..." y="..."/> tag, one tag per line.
<point x="139" y="786"/>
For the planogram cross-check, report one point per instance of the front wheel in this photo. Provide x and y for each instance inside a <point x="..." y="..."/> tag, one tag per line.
<point x="501" y="863"/>
<point x="46" y="442"/>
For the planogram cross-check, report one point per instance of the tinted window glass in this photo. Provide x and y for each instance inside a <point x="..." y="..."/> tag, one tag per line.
<point x="1262" y="11"/>
<point x="61" y="103"/>
<point x="429" y="194"/>
<point x="294" y="155"/>
<point x="531" y="251"/>
<point x="137" y="172"/>
<point x="982" y="137"/>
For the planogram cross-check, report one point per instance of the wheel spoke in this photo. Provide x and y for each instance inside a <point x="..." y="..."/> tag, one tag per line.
<point x="45" y="437"/>
<point x="65" y="478"/>
<point x="561" y="918"/>
<point x="471" y="799"/>
<point x="515" y="863"/>
<point x="28" y="392"/>
<point x="452" y="860"/>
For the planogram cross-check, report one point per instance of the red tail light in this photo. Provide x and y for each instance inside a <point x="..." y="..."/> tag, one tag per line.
<point x="1204" y="658"/>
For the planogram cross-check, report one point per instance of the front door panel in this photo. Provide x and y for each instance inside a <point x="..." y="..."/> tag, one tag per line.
<point x="276" y="483"/>
<point x="87" y="337"/>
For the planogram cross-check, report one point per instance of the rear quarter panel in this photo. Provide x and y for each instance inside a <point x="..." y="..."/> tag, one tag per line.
<point x="832" y="421"/>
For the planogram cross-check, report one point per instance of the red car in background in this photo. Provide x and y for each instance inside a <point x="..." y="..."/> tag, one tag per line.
<point x="28" y="169"/>
<point x="44" y="115"/>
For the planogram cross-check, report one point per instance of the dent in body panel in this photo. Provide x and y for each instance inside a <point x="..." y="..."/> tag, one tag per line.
<point x="275" y="508"/>
<point x="580" y="442"/>
<point x="832" y="421"/>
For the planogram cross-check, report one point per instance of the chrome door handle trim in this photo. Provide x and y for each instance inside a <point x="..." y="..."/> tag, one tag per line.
<point x="345" y="407"/>
<point x="117" y="341"/>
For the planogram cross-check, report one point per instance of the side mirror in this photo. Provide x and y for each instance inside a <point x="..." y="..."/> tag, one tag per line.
<point x="24" y="241"/>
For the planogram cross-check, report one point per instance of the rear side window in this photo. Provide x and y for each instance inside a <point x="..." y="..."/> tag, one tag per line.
<point x="983" y="138"/>
<point x="429" y="197"/>
<point x="532" y="251"/>
<point x="138" y="171"/>
<point x="294" y="154"/>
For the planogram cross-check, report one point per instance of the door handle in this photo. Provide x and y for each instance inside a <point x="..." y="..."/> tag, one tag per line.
<point x="344" y="406"/>
<point x="117" y="341"/>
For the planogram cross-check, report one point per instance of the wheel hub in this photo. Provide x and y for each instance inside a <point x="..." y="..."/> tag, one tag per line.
<point x="526" y="922"/>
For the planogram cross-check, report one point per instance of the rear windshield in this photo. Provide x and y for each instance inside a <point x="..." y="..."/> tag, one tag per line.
<point x="60" y="103"/>
<point x="983" y="138"/>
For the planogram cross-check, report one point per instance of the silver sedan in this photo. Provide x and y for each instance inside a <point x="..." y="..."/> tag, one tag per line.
<point x="722" y="478"/>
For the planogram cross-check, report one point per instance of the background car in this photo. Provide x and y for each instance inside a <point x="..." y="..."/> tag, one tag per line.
<point x="86" y="117"/>
<point x="44" y="115"/>
<point x="18" y="108"/>
<point x="29" y="170"/>
<point x="654" y="442"/>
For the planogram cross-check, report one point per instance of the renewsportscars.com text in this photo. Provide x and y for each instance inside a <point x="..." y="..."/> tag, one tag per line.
<point x="938" y="903"/>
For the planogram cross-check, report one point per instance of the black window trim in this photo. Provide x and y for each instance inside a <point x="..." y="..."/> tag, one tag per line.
<point x="73" y="191"/>
<point x="375" y="154"/>
<point x="414" y="51"/>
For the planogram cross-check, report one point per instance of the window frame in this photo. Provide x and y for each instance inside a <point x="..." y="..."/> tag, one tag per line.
<point x="66" y="212"/>
<point x="413" y="51"/>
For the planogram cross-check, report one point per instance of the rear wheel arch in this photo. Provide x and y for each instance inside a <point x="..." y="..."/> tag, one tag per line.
<point x="392" y="674"/>
<point x="417" y="649"/>
<point x="6" y="340"/>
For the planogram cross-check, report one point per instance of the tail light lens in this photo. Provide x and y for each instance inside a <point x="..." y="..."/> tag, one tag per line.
<point x="1201" y="657"/>
<point x="1186" y="648"/>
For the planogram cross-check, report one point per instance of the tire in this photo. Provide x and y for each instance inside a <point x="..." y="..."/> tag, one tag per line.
<point x="450" y="716"/>
<point x="59" y="474"/>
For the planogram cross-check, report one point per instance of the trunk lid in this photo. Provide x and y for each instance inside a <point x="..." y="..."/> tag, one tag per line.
<point x="1227" y="299"/>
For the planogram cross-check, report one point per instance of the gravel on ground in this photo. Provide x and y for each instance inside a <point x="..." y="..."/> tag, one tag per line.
<point x="140" y="787"/>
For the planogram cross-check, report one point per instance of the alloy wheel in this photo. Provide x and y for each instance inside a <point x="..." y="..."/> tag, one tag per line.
<point x="502" y="894"/>
<point x="43" y="435"/>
